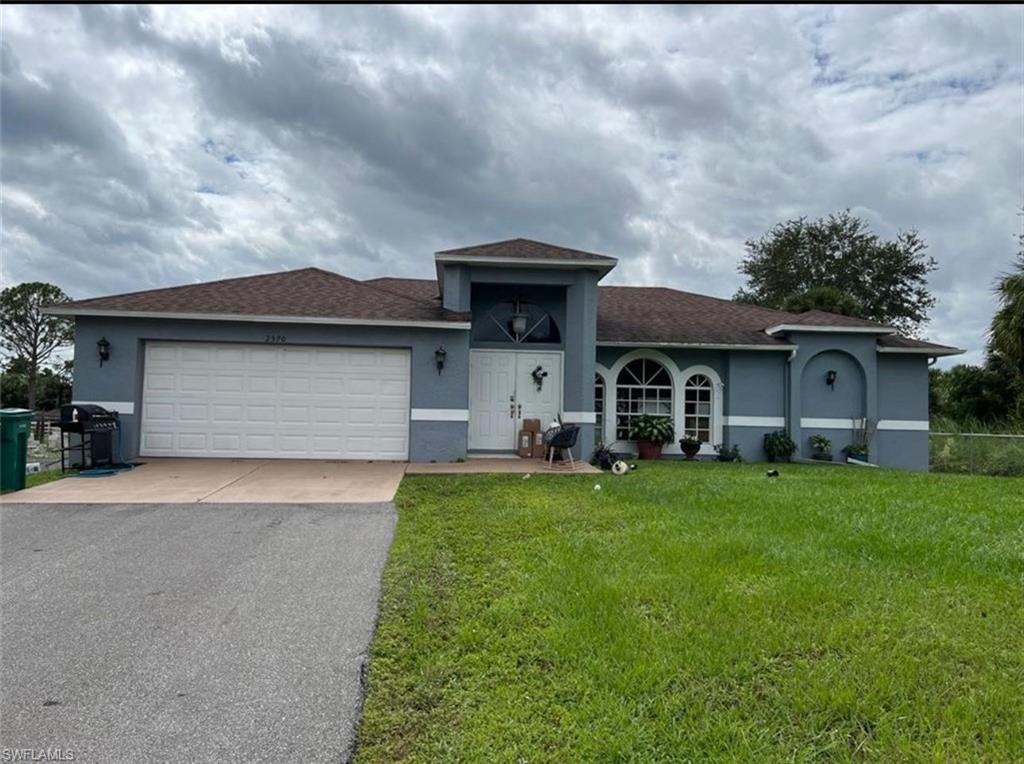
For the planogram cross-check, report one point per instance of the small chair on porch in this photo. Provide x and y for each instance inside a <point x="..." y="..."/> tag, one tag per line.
<point x="563" y="439"/>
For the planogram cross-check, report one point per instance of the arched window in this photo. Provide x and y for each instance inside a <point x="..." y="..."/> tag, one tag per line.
<point x="697" y="408"/>
<point x="598" y="409"/>
<point x="644" y="386"/>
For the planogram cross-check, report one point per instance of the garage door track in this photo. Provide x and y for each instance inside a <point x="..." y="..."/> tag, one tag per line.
<point x="198" y="632"/>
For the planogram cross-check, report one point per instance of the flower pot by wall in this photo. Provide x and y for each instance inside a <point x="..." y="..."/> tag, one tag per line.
<point x="648" y="450"/>
<point x="822" y="456"/>
<point x="690" y="449"/>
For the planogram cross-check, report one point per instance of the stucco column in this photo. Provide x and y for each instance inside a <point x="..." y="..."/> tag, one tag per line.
<point x="580" y="342"/>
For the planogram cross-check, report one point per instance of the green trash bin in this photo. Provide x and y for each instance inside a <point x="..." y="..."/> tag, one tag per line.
<point x="15" y="430"/>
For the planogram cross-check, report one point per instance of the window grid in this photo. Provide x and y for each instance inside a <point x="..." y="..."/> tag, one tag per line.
<point x="599" y="409"/>
<point x="643" y="387"/>
<point x="697" y="407"/>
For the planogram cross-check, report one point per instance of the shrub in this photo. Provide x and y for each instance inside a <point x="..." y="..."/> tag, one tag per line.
<point x="778" y="444"/>
<point x="728" y="454"/>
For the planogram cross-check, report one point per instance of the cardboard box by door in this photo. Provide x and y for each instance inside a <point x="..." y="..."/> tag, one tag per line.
<point x="525" y="444"/>
<point x="538" y="446"/>
<point x="531" y="425"/>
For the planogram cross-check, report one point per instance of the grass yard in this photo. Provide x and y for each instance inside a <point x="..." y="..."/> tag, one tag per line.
<point x="692" y="612"/>
<point x="39" y="478"/>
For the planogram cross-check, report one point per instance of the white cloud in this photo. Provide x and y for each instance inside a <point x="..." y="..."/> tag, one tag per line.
<point x="145" y="147"/>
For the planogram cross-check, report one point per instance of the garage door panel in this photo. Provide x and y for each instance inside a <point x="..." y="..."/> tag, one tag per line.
<point x="240" y="400"/>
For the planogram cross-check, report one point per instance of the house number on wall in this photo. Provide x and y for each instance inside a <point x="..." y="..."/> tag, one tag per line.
<point x="276" y="339"/>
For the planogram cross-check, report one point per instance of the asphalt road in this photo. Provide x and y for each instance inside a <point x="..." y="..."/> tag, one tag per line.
<point x="135" y="633"/>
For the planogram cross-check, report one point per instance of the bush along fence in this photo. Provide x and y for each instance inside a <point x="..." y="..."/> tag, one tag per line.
<point x="981" y="453"/>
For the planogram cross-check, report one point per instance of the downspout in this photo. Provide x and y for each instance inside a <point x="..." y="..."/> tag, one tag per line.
<point x="788" y="387"/>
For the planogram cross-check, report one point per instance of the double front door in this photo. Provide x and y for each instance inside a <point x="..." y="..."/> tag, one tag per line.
<point x="506" y="387"/>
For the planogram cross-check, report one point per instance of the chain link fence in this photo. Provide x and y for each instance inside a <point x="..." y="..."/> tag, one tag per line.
<point x="977" y="453"/>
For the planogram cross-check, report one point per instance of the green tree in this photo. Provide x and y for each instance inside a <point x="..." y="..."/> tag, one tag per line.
<point x="1006" y="335"/>
<point x="977" y="393"/>
<point x="887" y="281"/>
<point x="827" y="298"/>
<point x="27" y="332"/>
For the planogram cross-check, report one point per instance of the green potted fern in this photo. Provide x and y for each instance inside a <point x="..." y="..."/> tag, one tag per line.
<point x="651" y="433"/>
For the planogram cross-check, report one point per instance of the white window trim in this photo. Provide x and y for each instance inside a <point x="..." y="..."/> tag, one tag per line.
<point x="717" y="388"/>
<point x="602" y="371"/>
<point x="678" y="382"/>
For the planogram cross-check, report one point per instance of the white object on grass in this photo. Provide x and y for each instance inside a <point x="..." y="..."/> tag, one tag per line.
<point x="527" y="476"/>
<point x="620" y="468"/>
<point x="32" y="467"/>
<point x="597" y="486"/>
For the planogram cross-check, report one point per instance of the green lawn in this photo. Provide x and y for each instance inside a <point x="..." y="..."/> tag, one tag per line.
<point x="692" y="612"/>
<point x="38" y="478"/>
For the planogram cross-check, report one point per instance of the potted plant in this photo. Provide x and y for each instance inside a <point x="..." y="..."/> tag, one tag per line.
<point x="778" y="445"/>
<point x="862" y="435"/>
<point x="822" y="448"/>
<point x="856" y="451"/>
<point x="690" y="445"/>
<point x="651" y="433"/>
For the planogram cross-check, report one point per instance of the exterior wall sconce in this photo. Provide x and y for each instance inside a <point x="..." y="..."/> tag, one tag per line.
<point x="103" y="348"/>
<point x="830" y="379"/>
<point x="439" y="357"/>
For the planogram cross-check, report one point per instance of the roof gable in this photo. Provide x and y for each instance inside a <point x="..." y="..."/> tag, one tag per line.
<point x="525" y="249"/>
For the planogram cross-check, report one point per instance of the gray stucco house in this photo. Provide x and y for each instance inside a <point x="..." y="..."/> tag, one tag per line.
<point x="312" y="364"/>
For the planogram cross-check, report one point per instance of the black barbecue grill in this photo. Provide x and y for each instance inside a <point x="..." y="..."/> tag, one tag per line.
<point x="88" y="431"/>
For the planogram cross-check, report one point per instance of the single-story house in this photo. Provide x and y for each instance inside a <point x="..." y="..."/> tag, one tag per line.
<point x="313" y="364"/>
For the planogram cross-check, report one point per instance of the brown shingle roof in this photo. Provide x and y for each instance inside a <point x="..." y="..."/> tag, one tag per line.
<point x="823" y="318"/>
<point x="898" y="341"/>
<point x="525" y="249"/>
<point x="308" y="292"/>
<point x="659" y="314"/>
<point x="415" y="289"/>
<point x="635" y="315"/>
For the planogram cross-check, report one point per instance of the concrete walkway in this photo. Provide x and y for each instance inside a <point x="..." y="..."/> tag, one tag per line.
<point x="251" y="481"/>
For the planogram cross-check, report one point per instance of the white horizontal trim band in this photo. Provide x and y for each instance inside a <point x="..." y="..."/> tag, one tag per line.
<point x="439" y="415"/>
<point x="121" y="407"/>
<point x="58" y="311"/>
<point x="825" y="423"/>
<point x="918" y="425"/>
<point x="579" y="417"/>
<point x="829" y="329"/>
<point x="754" y="421"/>
<point x="702" y="345"/>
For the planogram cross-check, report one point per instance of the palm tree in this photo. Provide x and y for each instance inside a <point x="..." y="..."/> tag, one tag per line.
<point x="1006" y="336"/>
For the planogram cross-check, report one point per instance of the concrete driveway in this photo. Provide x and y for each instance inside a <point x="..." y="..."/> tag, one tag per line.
<point x="264" y="481"/>
<point x="192" y="632"/>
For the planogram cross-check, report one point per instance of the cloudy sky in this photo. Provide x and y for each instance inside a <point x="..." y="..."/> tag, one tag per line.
<point x="151" y="147"/>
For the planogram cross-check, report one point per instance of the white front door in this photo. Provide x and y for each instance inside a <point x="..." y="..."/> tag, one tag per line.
<point x="543" y="402"/>
<point x="492" y="394"/>
<point x="504" y="392"/>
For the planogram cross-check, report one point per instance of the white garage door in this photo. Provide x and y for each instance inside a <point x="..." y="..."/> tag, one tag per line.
<point x="221" y="399"/>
